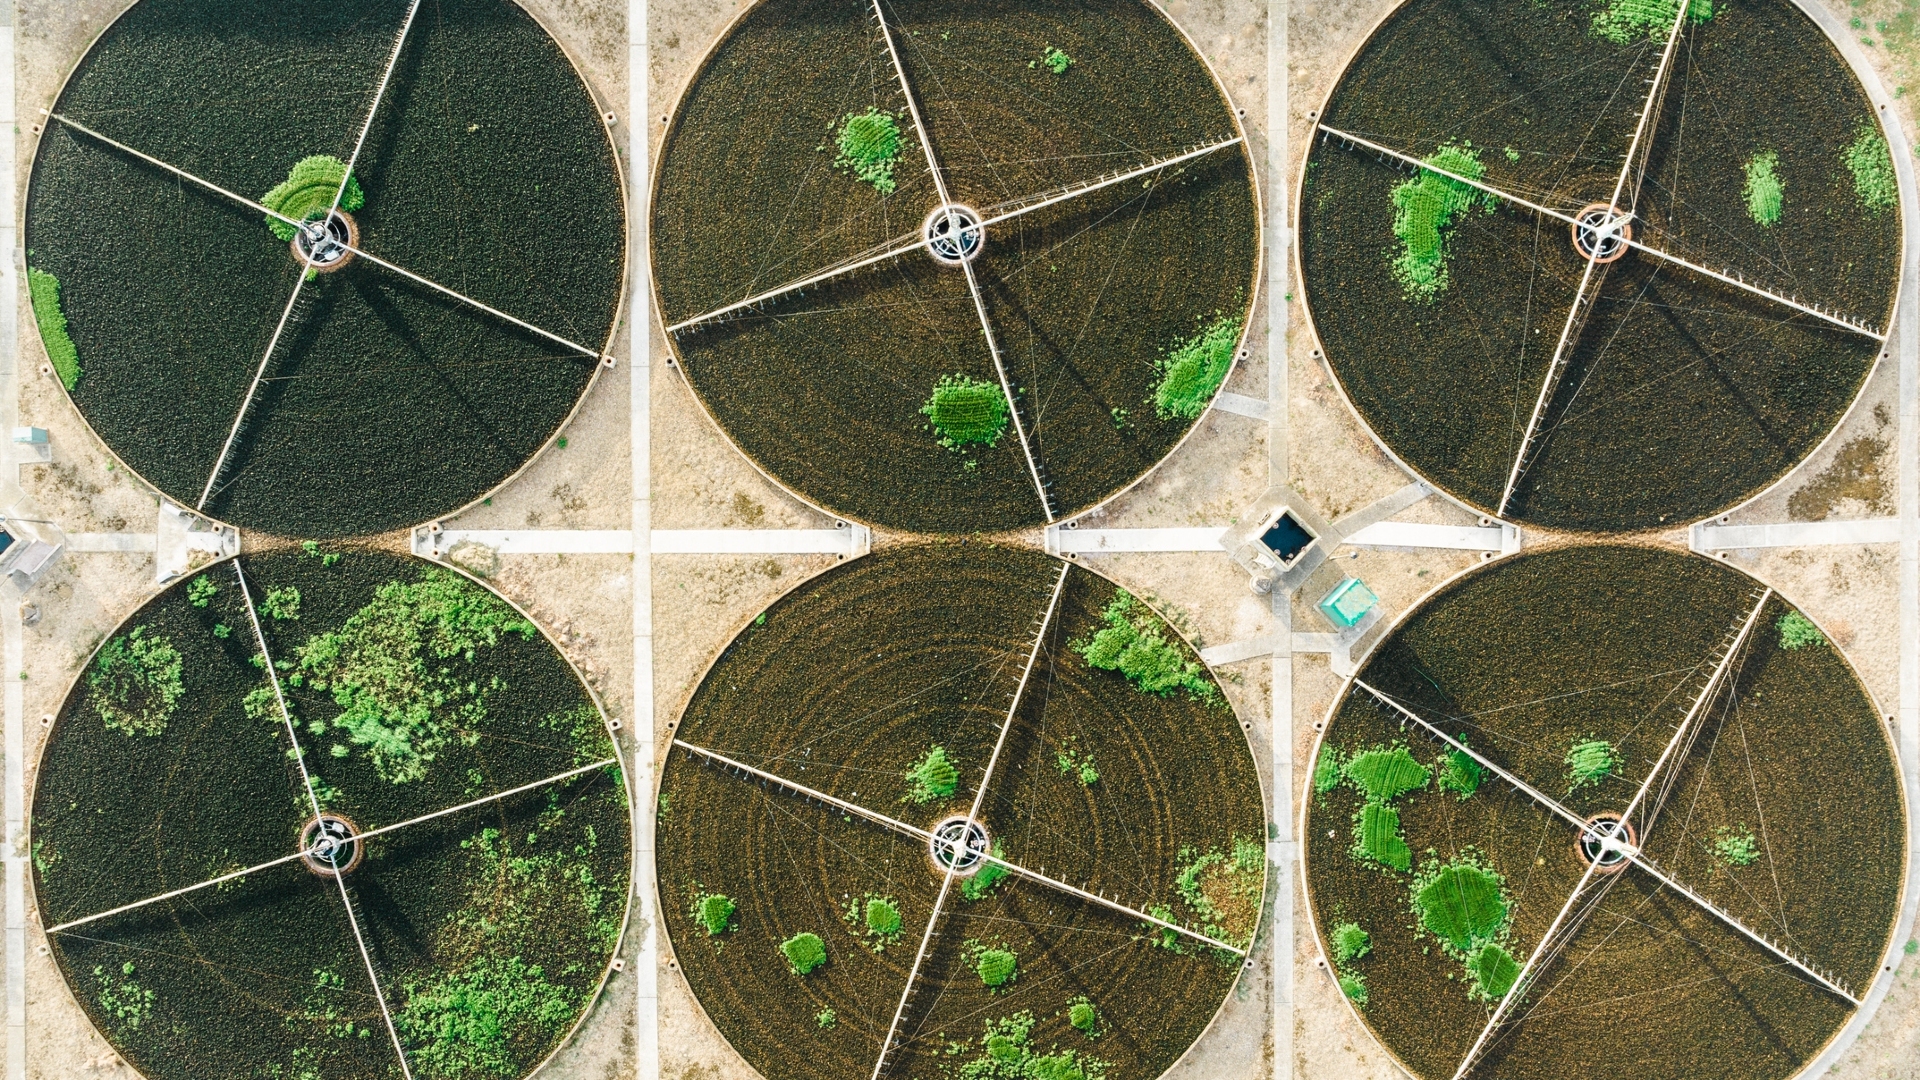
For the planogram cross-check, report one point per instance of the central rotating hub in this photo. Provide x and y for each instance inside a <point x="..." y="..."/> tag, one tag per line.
<point x="1601" y="226"/>
<point x="959" y="844"/>
<point x="330" y="844"/>
<point x="954" y="234"/>
<point x="329" y="241"/>
<point x="1607" y="843"/>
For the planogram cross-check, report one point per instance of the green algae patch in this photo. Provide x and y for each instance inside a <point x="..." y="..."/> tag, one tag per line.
<point x="963" y="411"/>
<point x="1625" y="21"/>
<point x="1763" y="191"/>
<point x="1425" y="209"/>
<point x="44" y="289"/>
<point x="869" y="145"/>
<point x="308" y="192"/>
<point x="1870" y="164"/>
<point x="1134" y="643"/>
<point x="1194" y="369"/>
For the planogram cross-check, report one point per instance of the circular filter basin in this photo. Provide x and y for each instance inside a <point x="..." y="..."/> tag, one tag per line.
<point x="465" y="273"/>
<point x="992" y="341"/>
<point x="1565" y="317"/>
<point x="1605" y="807"/>
<point x="454" y="825"/>
<point x="960" y="809"/>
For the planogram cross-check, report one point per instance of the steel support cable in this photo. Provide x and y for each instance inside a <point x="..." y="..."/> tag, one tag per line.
<point x="957" y="850"/>
<point x="331" y="855"/>
<point x="973" y="284"/>
<point x="1637" y="245"/>
<point x="360" y="836"/>
<point x="357" y="251"/>
<point x="1019" y="210"/>
<point x="307" y="260"/>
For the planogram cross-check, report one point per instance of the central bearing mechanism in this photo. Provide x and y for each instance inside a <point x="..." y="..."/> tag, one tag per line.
<point x="954" y="234"/>
<point x="959" y="844"/>
<point x="329" y="241"/>
<point x="1607" y="843"/>
<point x="1598" y="225"/>
<point x="330" y="844"/>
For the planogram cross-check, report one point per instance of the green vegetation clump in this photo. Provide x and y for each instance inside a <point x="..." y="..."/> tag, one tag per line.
<point x="1223" y="890"/>
<point x="1736" y="846"/>
<point x="804" y="952"/>
<point x="1084" y="1017"/>
<point x="931" y="778"/>
<point x="1463" y="903"/>
<point x="1384" y="774"/>
<point x="1797" y="631"/>
<point x="1075" y="764"/>
<point x="1459" y="773"/>
<point x="1491" y="971"/>
<point x="869" y="144"/>
<point x="1007" y="1053"/>
<point x="1589" y="762"/>
<point x="980" y="884"/>
<point x="1055" y="61"/>
<point x="523" y="894"/>
<point x="1327" y="769"/>
<point x="825" y="1019"/>
<point x="282" y="605"/>
<point x="201" y="591"/>
<point x="1625" y="21"/>
<point x="1354" y="986"/>
<point x="308" y="192"/>
<point x="493" y="1017"/>
<point x="389" y="668"/>
<point x="714" y="913"/>
<point x="1193" y="369"/>
<point x="964" y="411"/>
<point x="996" y="967"/>
<point x="1134" y="643"/>
<point x="1871" y="164"/>
<point x="1376" y="837"/>
<point x="1425" y="207"/>
<point x="1763" y="190"/>
<point x="44" y="290"/>
<point x="876" y="918"/>
<point x="135" y="683"/>
<point x="1350" y="943"/>
<point x="122" y="998"/>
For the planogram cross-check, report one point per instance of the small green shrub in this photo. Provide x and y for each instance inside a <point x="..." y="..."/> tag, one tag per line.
<point x="494" y="1017"/>
<point x="308" y="192"/>
<point x="1376" y="837"/>
<point x="1223" y="889"/>
<point x="1327" y="769"/>
<point x="963" y="411"/>
<point x="124" y="999"/>
<point x="1084" y="1017"/>
<point x="804" y="952"/>
<point x="996" y="967"/>
<point x="1797" y="631"/>
<point x="875" y="918"/>
<point x="1463" y="903"/>
<point x="1459" y="773"/>
<point x="1871" y="164"/>
<point x="282" y="605"/>
<point x="980" y="884"/>
<point x="44" y="290"/>
<point x="1007" y="1054"/>
<point x="825" y="1019"/>
<point x="1491" y="971"/>
<point x="1763" y="190"/>
<point x="1194" y="369"/>
<point x="1736" y="846"/>
<point x="1425" y="208"/>
<point x="1350" y="943"/>
<point x="869" y="144"/>
<point x="714" y="913"/>
<point x="135" y="683"/>
<point x="883" y="918"/>
<point x="1384" y="774"/>
<point x="222" y="631"/>
<point x="1625" y="21"/>
<point x="201" y="591"/>
<point x="1076" y="765"/>
<point x="931" y="778"/>
<point x="1056" y="61"/>
<point x="1589" y="762"/>
<point x="1134" y="643"/>
<point x="1354" y="985"/>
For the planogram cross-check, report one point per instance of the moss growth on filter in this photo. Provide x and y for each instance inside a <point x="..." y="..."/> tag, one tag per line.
<point x="1763" y="191"/>
<point x="980" y="884"/>
<point x="1625" y="21"/>
<point x="964" y="412"/>
<point x="44" y="290"/>
<point x="869" y="145"/>
<point x="308" y="192"/>
<point x="1491" y="971"/>
<point x="1007" y="1053"/>
<point x="1350" y="943"/>
<point x="714" y="913"/>
<point x="135" y="683"/>
<point x="931" y="778"/>
<point x="1376" y="837"/>
<point x="1425" y="209"/>
<point x="1194" y="369"/>
<point x="1134" y="643"/>
<point x="1459" y="773"/>
<point x="487" y="1019"/>
<point x="804" y="952"/>
<point x="1797" y="631"/>
<point x="1735" y="846"/>
<point x="1083" y="1017"/>
<point x="1224" y="890"/>
<point x="122" y="998"/>
<point x="1462" y="902"/>
<point x="1383" y="774"/>
<point x="875" y="918"/>
<point x="1871" y="164"/>
<point x="1589" y="762"/>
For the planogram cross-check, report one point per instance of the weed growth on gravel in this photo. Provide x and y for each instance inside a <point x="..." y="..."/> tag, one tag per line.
<point x="135" y="682"/>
